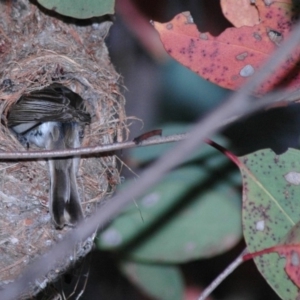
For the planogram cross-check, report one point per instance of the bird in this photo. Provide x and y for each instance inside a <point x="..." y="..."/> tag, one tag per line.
<point x="54" y="118"/>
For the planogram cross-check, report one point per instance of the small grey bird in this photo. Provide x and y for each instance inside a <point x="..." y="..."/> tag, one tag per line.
<point x="53" y="118"/>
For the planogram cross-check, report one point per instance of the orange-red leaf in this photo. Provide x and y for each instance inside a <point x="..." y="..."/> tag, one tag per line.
<point x="235" y="55"/>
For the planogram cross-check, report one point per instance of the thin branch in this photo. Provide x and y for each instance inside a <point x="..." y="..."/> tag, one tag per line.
<point x="268" y="99"/>
<point x="90" y="150"/>
<point x="238" y="261"/>
<point x="238" y="104"/>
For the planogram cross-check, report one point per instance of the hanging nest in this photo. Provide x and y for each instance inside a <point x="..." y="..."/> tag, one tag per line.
<point x="37" y="49"/>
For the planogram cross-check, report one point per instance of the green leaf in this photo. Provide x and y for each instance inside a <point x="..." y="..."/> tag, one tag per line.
<point x="146" y="154"/>
<point x="194" y="212"/>
<point x="80" y="9"/>
<point x="271" y="208"/>
<point x="159" y="281"/>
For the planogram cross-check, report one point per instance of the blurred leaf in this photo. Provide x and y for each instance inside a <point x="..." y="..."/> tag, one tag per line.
<point x="160" y="281"/>
<point x="270" y="210"/>
<point x="209" y="226"/>
<point x="146" y="154"/>
<point x="194" y="212"/>
<point x="80" y="9"/>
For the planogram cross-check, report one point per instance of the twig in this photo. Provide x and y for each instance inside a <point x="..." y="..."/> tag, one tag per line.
<point x="238" y="104"/>
<point x="90" y="150"/>
<point x="238" y="261"/>
<point x="271" y="98"/>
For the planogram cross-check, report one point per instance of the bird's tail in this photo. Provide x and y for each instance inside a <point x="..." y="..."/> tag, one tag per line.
<point x="65" y="206"/>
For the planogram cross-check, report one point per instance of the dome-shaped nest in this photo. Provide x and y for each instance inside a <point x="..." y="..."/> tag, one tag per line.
<point x="35" y="50"/>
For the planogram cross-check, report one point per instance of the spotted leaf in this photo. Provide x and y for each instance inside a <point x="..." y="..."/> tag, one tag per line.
<point x="271" y="209"/>
<point x="236" y="54"/>
<point x="289" y="251"/>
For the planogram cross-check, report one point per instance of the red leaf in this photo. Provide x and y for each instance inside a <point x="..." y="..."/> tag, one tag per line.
<point x="235" y="55"/>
